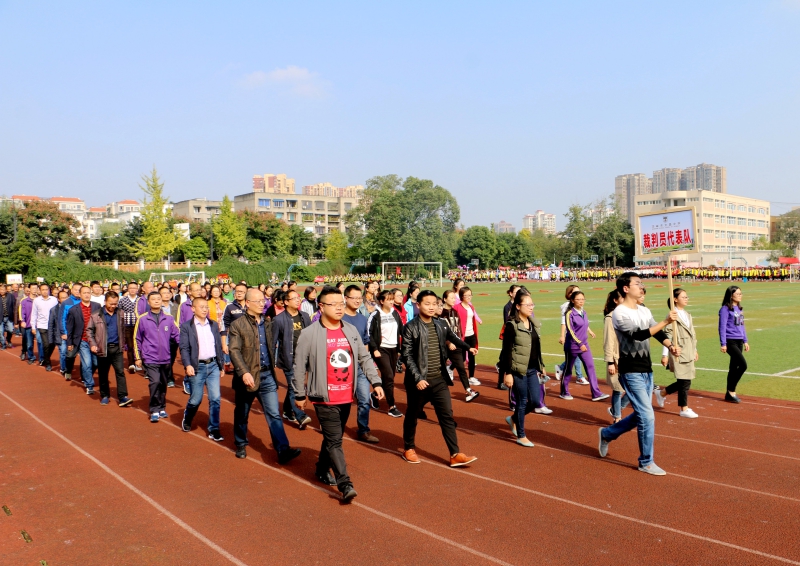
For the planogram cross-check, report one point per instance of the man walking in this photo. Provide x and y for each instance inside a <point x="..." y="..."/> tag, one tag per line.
<point x="186" y="312"/>
<point x="55" y="331"/>
<point x="154" y="333"/>
<point x="352" y="302"/>
<point x="25" y="310"/>
<point x="40" y="318"/>
<point x="427" y="379"/>
<point x="8" y="316"/>
<point x="128" y="305"/>
<point x="251" y="343"/>
<point x="233" y="311"/>
<point x="634" y="325"/>
<point x="78" y="340"/>
<point x="201" y="355"/>
<point x="106" y="333"/>
<point x="97" y="293"/>
<point x="286" y="328"/>
<point x="324" y="371"/>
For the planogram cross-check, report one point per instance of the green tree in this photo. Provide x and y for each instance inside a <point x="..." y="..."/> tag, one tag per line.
<point x="576" y="232"/>
<point x="41" y="224"/>
<point x="254" y="250"/>
<point x="302" y="242"/>
<point x="195" y="249"/>
<point x="613" y="236"/>
<point x="230" y="230"/>
<point x="478" y="242"/>
<point x="157" y="240"/>
<point x="336" y="246"/>
<point x="274" y="234"/>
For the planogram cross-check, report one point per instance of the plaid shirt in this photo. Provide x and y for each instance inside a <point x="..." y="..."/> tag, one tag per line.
<point x="128" y="308"/>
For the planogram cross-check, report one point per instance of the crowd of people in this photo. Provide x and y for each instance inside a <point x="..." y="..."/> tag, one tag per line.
<point x="347" y="343"/>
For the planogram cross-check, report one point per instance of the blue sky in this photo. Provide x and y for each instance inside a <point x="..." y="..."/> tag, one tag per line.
<point x="512" y="106"/>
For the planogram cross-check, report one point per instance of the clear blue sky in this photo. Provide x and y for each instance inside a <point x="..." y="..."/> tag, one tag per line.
<point x="512" y="106"/>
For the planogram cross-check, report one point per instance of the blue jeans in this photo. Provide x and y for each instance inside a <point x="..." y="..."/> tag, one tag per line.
<point x="27" y="342"/>
<point x="526" y="393"/>
<point x="289" y="406"/>
<point x="208" y="375"/>
<point x="7" y="326"/>
<point x="578" y="368"/>
<point x="39" y="350"/>
<point x="88" y="362"/>
<point x="362" y="399"/>
<point x="618" y="402"/>
<point x="62" y="355"/>
<point x="639" y="390"/>
<point x="267" y="395"/>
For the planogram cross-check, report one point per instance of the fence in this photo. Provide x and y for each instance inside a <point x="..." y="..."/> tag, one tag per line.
<point x="137" y="266"/>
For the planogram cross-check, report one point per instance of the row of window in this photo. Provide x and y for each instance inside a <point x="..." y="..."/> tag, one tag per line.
<point x="304" y="204"/>
<point x="740" y="207"/>
<point x="738" y="221"/>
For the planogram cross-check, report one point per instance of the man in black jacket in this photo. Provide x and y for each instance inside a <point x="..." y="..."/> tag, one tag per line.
<point x="8" y="316"/>
<point x="201" y="355"/>
<point x="286" y="328"/>
<point x="55" y="330"/>
<point x="78" y="340"/>
<point x="427" y="379"/>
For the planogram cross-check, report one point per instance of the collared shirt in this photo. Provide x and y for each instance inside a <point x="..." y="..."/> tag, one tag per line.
<point x="262" y="342"/>
<point x="112" y="336"/>
<point x="206" y="348"/>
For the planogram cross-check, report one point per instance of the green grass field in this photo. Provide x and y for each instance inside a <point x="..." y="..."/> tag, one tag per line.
<point x="772" y="315"/>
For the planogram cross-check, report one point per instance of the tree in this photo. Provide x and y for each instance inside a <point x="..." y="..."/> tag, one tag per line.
<point x="788" y="230"/>
<point x="336" y="246"/>
<point x="111" y="243"/>
<point x="478" y="243"/>
<point x="302" y="241"/>
<point x="157" y="240"/>
<point x="195" y="249"/>
<point x="576" y="231"/>
<point x="41" y="224"/>
<point x="613" y="237"/>
<point x="274" y="234"/>
<point x="230" y="231"/>
<point x="254" y="250"/>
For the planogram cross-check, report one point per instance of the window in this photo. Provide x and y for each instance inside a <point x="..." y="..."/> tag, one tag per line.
<point x="306" y="205"/>
<point x="731" y="206"/>
<point x="348" y="206"/>
<point x="742" y="221"/>
<point x="333" y="218"/>
<point x="742" y="208"/>
<point x="751" y="222"/>
<point x="197" y="210"/>
<point x="319" y="205"/>
<point x="708" y="199"/>
<point x="279" y="215"/>
<point x="751" y="209"/>
<point x="708" y="231"/>
<point x="292" y="216"/>
<point x="708" y="248"/>
<point x="751" y="236"/>
<point x="308" y="217"/>
<point x="762" y="223"/>
<point x="333" y="206"/>
<point x="263" y="202"/>
<point x="291" y="204"/>
<point x="731" y="220"/>
<point x="277" y="203"/>
<point x="761" y="211"/>
<point x="706" y="215"/>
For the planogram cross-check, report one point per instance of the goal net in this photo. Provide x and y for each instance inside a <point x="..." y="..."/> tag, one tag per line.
<point x="426" y="272"/>
<point x="178" y="277"/>
<point x="794" y="273"/>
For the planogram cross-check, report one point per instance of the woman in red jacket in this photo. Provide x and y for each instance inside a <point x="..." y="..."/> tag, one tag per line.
<point x="469" y="328"/>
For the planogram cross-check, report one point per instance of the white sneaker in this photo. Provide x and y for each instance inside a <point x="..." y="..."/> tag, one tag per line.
<point x="559" y="372"/>
<point x="543" y="411"/>
<point x="566" y="397"/>
<point x="603" y="396"/>
<point x="660" y="399"/>
<point x="582" y="381"/>
<point x="689" y="414"/>
<point x="653" y="470"/>
<point x="474" y="381"/>
<point x="471" y="395"/>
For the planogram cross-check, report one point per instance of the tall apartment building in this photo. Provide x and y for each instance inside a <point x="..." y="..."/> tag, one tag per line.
<point x="328" y="190"/>
<point x="540" y="220"/>
<point x="627" y="188"/>
<point x="197" y="209"/>
<point x="668" y="179"/>
<point x="705" y="177"/>
<point x="504" y="227"/>
<point x="269" y="183"/>
<point x="316" y="214"/>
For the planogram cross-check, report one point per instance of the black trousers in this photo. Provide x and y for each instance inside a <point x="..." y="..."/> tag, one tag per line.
<point x="387" y="365"/>
<point x="113" y="358"/>
<point x="173" y="353"/>
<point x="456" y="358"/>
<point x="438" y="395"/>
<point x="157" y="376"/>
<point x="738" y="364"/>
<point x="682" y="387"/>
<point x="128" y="330"/>
<point x="472" y="341"/>
<point x="47" y="347"/>
<point x="332" y="420"/>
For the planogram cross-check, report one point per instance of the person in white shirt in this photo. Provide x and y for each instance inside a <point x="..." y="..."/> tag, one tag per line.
<point x="98" y="295"/>
<point x="40" y="316"/>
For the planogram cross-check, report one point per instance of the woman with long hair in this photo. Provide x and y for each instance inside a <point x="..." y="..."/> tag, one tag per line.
<point x="385" y="332"/>
<point x="733" y="339"/>
<point x="563" y="339"/>
<point x="611" y="356"/>
<point x="216" y="306"/>
<point x="577" y="346"/>
<point x="469" y="328"/>
<point x="682" y="366"/>
<point x="521" y="363"/>
<point x="411" y="307"/>
<point x="398" y="304"/>
<point x="454" y="354"/>
<point x="309" y="304"/>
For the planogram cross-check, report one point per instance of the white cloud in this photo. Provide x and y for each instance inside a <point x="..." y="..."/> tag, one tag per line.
<point x="295" y="80"/>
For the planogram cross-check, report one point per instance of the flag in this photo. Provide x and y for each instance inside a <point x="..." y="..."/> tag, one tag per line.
<point x="560" y="264"/>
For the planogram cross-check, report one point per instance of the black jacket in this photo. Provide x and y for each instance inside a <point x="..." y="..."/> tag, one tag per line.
<point x="11" y="308"/>
<point x="190" y="347"/>
<point x="75" y="323"/>
<point x="375" y="329"/>
<point x="415" y="349"/>
<point x="245" y="352"/>
<point x="54" y="331"/>
<point x="283" y="334"/>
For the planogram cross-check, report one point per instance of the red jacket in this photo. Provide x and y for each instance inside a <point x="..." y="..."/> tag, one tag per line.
<point x="461" y="309"/>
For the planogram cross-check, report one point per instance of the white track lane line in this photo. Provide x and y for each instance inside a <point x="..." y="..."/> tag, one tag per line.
<point x="745" y="422"/>
<point x="221" y="551"/>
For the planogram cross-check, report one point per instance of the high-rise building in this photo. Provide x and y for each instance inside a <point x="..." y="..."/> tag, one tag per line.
<point x="705" y="177"/>
<point x="328" y="190"/>
<point x="540" y="220"/>
<point x="627" y="188"/>
<point x="269" y="183"/>
<point x="668" y="179"/>
<point x="504" y="227"/>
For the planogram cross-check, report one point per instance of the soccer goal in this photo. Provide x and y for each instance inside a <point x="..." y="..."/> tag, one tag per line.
<point x="426" y="272"/>
<point x="178" y="276"/>
<point x="794" y="273"/>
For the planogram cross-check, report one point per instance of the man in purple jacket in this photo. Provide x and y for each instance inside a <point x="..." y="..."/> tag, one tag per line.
<point x="25" y="309"/>
<point x="152" y="337"/>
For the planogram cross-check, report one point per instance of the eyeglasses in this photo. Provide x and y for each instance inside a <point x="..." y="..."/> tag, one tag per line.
<point x="334" y="305"/>
<point x="526" y="305"/>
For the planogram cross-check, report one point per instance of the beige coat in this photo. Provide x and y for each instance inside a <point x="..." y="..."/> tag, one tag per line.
<point x="611" y="353"/>
<point x="687" y="341"/>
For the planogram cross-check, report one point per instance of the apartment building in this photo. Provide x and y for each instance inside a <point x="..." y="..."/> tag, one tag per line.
<point x="540" y="220"/>
<point x="328" y="190"/>
<point x="197" y="209"/>
<point x="317" y="214"/>
<point x="116" y="208"/>
<point x="504" y="227"/>
<point x="627" y="188"/>
<point x="269" y="183"/>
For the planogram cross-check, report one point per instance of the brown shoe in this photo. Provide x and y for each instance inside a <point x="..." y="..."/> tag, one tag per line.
<point x="410" y="456"/>
<point x="367" y="437"/>
<point x="461" y="459"/>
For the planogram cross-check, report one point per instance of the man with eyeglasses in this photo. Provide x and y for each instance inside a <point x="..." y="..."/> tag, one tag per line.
<point x="233" y="311"/>
<point x="353" y="300"/>
<point x="287" y="327"/>
<point x="324" y="371"/>
<point x="252" y="352"/>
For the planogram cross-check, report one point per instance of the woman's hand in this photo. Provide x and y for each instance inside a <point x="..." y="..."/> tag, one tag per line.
<point x="583" y="348"/>
<point x="591" y="334"/>
<point x="696" y="356"/>
<point x="508" y="380"/>
<point x="612" y="369"/>
<point x="724" y="349"/>
<point x="376" y="354"/>
<point x="451" y="346"/>
<point x="746" y="347"/>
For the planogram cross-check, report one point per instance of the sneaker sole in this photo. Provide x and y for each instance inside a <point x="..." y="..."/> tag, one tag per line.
<point x="125" y="404"/>
<point x="648" y="472"/>
<point x="460" y="464"/>
<point x="411" y="461"/>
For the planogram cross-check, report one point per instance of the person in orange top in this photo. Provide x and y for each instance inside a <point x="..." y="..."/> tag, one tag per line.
<point x="216" y="305"/>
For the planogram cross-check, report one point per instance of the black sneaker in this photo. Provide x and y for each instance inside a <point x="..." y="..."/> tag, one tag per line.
<point x="304" y="422"/>
<point x="241" y="451"/>
<point x="215" y="436"/>
<point x="31" y="362"/>
<point x="502" y="387"/>
<point x="125" y="401"/>
<point x="393" y="412"/>
<point x="41" y="363"/>
<point x="48" y="368"/>
<point x="288" y="455"/>
<point x="373" y="401"/>
<point x="290" y="417"/>
<point x="731" y="398"/>
<point x="348" y="493"/>
<point x="185" y="425"/>
<point x="326" y="478"/>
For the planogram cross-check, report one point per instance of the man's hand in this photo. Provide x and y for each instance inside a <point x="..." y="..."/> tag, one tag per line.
<point x="379" y="393"/>
<point x="562" y="340"/>
<point x="451" y="346"/>
<point x="508" y="380"/>
<point x="723" y="349"/>
<point x="93" y="349"/>
<point x="300" y="403"/>
<point x="248" y="380"/>
<point x="23" y="325"/>
<point x="746" y="347"/>
<point x="664" y="361"/>
<point x="696" y="356"/>
<point x="189" y="371"/>
<point x="591" y="334"/>
<point x="473" y="351"/>
<point x="225" y="349"/>
<point x="676" y="350"/>
<point x="70" y="348"/>
<point x="376" y="354"/>
<point x="422" y="385"/>
<point x="63" y="336"/>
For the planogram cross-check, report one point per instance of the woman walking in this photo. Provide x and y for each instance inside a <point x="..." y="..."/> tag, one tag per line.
<point x="216" y="306"/>
<point x="385" y="331"/>
<point x="733" y="339"/>
<point x="611" y="356"/>
<point x="577" y="346"/>
<point x="454" y="354"/>
<point x="309" y="304"/>
<point x="469" y="328"/>
<point x="521" y="363"/>
<point x="682" y="366"/>
<point x="411" y="307"/>
<point x="563" y="339"/>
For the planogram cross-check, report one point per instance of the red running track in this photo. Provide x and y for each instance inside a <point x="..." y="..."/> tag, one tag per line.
<point x="102" y="485"/>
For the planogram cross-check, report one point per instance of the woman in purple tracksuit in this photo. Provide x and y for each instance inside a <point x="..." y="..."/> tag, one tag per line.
<point x="733" y="339"/>
<point x="577" y="346"/>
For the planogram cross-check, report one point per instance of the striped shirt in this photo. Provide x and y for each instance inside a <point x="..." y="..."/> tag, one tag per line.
<point x="128" y="308"/>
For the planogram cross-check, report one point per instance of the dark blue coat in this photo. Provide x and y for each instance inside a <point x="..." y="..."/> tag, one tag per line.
<point x="283" y="331"/>
<point x="75" y="323"/>
<point x="190" y="348"/>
